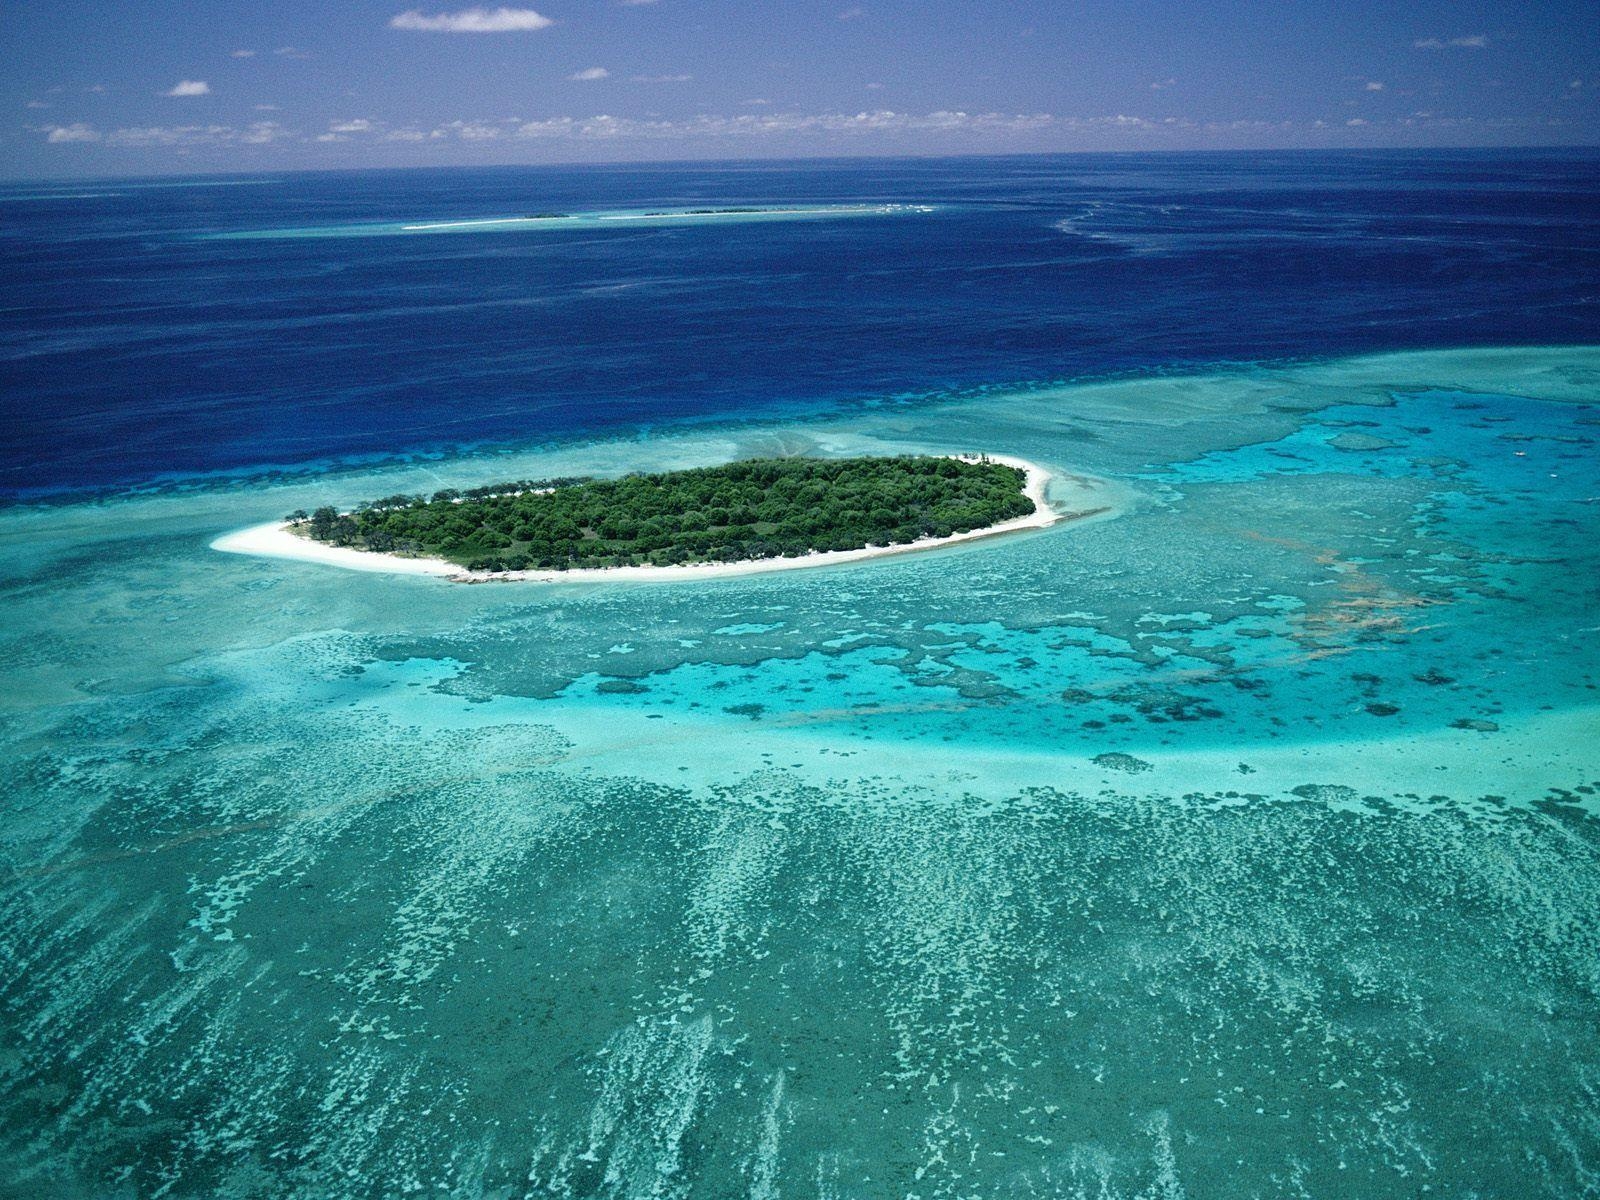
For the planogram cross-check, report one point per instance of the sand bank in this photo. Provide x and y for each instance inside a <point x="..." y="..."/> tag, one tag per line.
<point x="274" y="540"/>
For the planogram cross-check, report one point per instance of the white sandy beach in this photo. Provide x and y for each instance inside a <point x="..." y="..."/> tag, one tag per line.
<point x="274" y="540"/>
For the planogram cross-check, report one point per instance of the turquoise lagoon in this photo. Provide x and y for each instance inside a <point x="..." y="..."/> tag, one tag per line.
<point x="1240" y="841"/>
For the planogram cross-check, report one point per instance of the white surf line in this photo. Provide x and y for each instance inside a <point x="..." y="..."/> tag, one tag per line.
<point x="275" y="540"/>
<point x="792" y="212"/>
<point x="760" y="212"/>
<point x="484" y="221"/>
<point x="660" y="216"/>
<point x="621" y="217"/>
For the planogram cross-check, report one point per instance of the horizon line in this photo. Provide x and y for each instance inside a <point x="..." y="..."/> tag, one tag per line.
<point x="1191" y="151"/>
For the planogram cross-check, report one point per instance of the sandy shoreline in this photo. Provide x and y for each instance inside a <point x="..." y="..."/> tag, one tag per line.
<point x="274" y="540"/>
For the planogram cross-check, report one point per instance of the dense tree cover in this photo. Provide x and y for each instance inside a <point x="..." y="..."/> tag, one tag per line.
<point x="759" y="508"/>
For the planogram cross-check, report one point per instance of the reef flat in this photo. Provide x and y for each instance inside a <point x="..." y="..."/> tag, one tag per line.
<point x="579" y="221"/>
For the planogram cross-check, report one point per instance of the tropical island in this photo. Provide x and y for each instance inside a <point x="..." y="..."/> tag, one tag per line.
<point x="740" y="512"/>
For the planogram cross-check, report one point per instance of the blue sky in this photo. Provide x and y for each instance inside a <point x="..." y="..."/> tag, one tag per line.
<point x="138" y="86"/>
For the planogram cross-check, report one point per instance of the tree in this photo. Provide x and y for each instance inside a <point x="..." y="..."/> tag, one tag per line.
<point x="752" y="509"/>
<point x="322" y="522"/>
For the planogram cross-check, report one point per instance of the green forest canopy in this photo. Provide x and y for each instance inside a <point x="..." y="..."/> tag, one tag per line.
<point x="758" y="508"/>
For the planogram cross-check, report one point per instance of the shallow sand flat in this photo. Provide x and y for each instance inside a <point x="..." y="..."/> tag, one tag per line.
<point x="578" y="218"/>
<point x="572" y="221"/>
<point x="274" y="540"/>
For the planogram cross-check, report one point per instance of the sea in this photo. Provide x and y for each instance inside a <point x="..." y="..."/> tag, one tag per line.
<point x="1237" y="838"/>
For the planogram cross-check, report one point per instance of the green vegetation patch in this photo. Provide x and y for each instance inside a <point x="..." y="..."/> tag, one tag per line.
<point x="759" y="508"/>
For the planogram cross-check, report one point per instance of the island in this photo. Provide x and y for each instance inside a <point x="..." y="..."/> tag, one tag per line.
<point x="750" y="515"/>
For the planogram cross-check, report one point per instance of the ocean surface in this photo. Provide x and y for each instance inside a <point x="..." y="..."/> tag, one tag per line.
<point x="141" y="337"/>
<point x="1239" y="841"/>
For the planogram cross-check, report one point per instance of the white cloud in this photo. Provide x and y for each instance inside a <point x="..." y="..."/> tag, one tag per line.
<point x="256" y="134"/>
<point x="877" y="127"/>
<point x="98" y="89"/>
<point x="662" y="78"/>
<point x="759" y="100"/>
<point x="472" y="20"/>
<point x="853" y="13"/>
<point x="261" y="133"/>
<point x="291" y="52"/>
<point x="637" y="3"/>
<point x="266" y="108"/>
<point x="776" y="124"/>
<point x="589" y="74"/>
<point x="475" y="131"/>
<point x="1471" y="41"/>
<point x="552" y="127"/>
<point x="608" y="127"/>
<point x="1374" y="86"/>
<point x="1162" y="84"/>
<point x="38" y="104"/>
<point x="243" y="54"/>
<point x="189" y="87"/>
<point x="76" y="132"/>
<point x="172" y="135"/>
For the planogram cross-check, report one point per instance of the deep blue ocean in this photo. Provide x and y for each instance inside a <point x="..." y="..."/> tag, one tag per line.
<point x="135" y="345"/>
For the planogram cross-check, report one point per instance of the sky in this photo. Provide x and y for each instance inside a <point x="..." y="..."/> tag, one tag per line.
<point x="109" y="87"/>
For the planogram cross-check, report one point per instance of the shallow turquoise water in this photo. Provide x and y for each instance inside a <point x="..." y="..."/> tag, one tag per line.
<point x="1237" y="842"/>
<point x="568" y="222"/>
